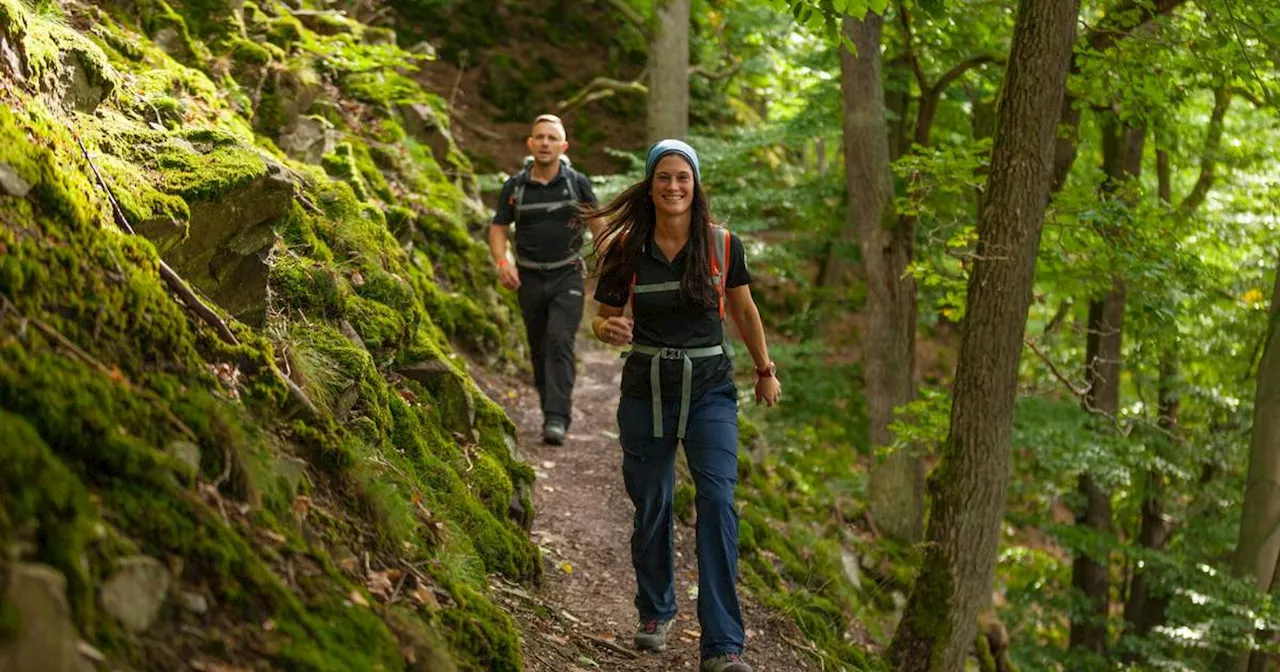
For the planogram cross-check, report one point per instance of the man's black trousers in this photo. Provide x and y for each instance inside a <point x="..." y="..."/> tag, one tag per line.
<point x="551" y="303"/>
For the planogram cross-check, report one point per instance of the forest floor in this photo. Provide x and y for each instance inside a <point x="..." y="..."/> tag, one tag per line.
<point x="582" y="616"/>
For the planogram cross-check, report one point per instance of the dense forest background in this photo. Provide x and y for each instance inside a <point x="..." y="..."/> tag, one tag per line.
<point x="1018" y="260"/>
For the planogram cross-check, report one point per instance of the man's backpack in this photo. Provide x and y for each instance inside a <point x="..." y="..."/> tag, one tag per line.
<point x="522" y="179"/>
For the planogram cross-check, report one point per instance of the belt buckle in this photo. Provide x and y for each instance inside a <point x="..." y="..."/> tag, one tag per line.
<point x="671" y="353"/>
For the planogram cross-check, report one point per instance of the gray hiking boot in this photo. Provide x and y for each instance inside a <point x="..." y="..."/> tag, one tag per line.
<point x="553" y="431"/>
<point x="729" y="662"/>
<point x="652" y="635"/>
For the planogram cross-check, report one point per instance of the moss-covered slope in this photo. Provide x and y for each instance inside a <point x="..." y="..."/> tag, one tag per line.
<point x="321" y="486"/>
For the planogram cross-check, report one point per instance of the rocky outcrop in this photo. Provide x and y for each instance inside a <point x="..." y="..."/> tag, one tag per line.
<point x="450" y="390"/>
<point x="136" y="591"/>
<point x="308" y="139"/>
<point x="47" y="639"/>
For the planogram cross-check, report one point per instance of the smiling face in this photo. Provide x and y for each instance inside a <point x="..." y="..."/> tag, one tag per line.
<point x="547" y="143"/>
<point x="673" y="186"/>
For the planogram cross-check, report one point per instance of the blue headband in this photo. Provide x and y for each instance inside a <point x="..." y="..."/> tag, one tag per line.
<point x="665" y="147"/>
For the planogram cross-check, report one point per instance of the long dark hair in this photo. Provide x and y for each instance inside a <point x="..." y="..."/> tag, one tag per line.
<point x="630" y="221"/>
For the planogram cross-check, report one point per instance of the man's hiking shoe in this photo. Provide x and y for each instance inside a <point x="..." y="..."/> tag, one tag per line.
<point x="553" y="432"/>
<point x="652" y="635"/>
<point x="730" y="662"/>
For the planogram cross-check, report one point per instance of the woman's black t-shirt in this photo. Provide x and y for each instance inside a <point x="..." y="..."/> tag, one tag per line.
<point x="668" y="320"/>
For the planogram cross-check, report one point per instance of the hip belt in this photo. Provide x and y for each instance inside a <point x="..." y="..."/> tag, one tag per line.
<point x="687" y="355"/>
<point x="547" y="265"/>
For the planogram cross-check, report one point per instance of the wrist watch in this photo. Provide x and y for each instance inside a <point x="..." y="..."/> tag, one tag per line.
<point x="768" y="371"/>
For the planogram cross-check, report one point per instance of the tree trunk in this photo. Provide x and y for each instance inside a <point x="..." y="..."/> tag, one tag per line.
<point x="669" y="70"/>
<point x="1259" y="546"/>
<point x="896" y="497"/>
<point x="1145" y="608"/>
<point x="1122" y="158"/>
<point x="971" y="480"/>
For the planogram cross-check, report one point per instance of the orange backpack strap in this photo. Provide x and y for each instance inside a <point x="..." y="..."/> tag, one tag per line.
<point x="720" y="262"/>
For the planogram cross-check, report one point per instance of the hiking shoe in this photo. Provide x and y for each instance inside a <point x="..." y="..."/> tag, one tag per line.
<point x="553" y="432"/>
<point x="729" y="662"/>
<point x="652" y="635"/>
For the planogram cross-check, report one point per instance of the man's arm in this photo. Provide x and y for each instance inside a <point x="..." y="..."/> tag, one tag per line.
<point x="499" y="243"/>
<point x="500" y="238"/>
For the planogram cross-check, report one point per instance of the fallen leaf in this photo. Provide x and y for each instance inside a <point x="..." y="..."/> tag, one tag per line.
<point x="357" y="598"/>
<point x="423" y="595"/>
<point x="583" y="660"/>
<point x="410" y="656"/>
<point x="566" y="567"/>
<point x="274" y="536"/>
<point x="557" y="639"/>
<point x="692" y="633"/>
<point x="380" y="583"/>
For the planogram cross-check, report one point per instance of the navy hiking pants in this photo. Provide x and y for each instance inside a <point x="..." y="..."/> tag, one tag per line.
<point x="551" y="303"/>
<point x="648" y="468"/>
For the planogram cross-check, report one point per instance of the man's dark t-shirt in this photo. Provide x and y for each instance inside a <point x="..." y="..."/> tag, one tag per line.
<point x="545" y="236"/>
<point x="668" y="320"/>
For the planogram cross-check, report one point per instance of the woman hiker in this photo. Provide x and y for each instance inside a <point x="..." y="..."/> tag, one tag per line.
<point x="681" y="273"/>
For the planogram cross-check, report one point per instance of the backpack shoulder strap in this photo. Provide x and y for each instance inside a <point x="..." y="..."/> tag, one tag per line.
<point x="571" y="179"/>
<point x="517" y="195"/>
<point x="720" y="262"/>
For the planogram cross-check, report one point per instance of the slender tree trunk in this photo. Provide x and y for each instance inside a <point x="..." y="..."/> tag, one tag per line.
<point x="669" y="70"/>
<point x="1145" y="608"/>
<point x="1091" y="576"/>
<point x="970" y="482"/>
<point x="1258" y="548"/>
<point x="897" y="482"/>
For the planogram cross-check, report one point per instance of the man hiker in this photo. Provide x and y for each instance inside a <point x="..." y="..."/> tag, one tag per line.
<point x="543" y="202"/>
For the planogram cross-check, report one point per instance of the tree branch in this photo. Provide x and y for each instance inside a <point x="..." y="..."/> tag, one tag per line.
<point x="1209" y="158"/>
<point x="908" y="39"/>
<point x="602" y="87"/>
<point x="631" y="15"/>
<point x="1120" y="21"/>
<point x="716" y="75"/>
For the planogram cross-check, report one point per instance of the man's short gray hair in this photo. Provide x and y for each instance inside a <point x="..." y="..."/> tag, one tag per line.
<point x="551" y="119"/>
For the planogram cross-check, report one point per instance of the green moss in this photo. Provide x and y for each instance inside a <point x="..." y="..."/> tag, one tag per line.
<point x="196" y="164"/>
<point x="249" y="52"/>
<point x="284" y="31"/>
<point x="341" y="164"/>
<point x="45" y="502"/>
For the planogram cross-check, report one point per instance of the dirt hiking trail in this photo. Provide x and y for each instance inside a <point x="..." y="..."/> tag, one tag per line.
<point x="582" y="617"/>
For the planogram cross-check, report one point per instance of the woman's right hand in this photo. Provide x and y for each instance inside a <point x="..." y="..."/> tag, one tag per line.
<point x="615" y="330"/>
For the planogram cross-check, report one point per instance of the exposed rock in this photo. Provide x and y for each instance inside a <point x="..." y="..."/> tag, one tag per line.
<point x="192" y="601"/>
<point x="11" y="57"/>
<point x="521" y="507"/>
<point x="852" y="570"/>
<point x="226" y="253"/>
<point x="345" y="402"/>
<point x="170" y="42"/>
<point x="136" y="591"/>
<point x="513" y="447"/>
<point x="379" y="36"/>
<point x="293" y="471"/>
<point x="83" y="82"/>
<point x="47" y="639"/>
<point x="453" y="398"/>
<point x="352" y="335"/>
<point x="422" y="648"/>
<point x="308" y="139"/>
<point x="421" y="121"/>
<point x="186" y="452"/>
<point x="11" y="182"/>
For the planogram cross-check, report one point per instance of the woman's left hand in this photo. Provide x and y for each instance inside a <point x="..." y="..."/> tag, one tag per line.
<point x="768" y="390"/>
